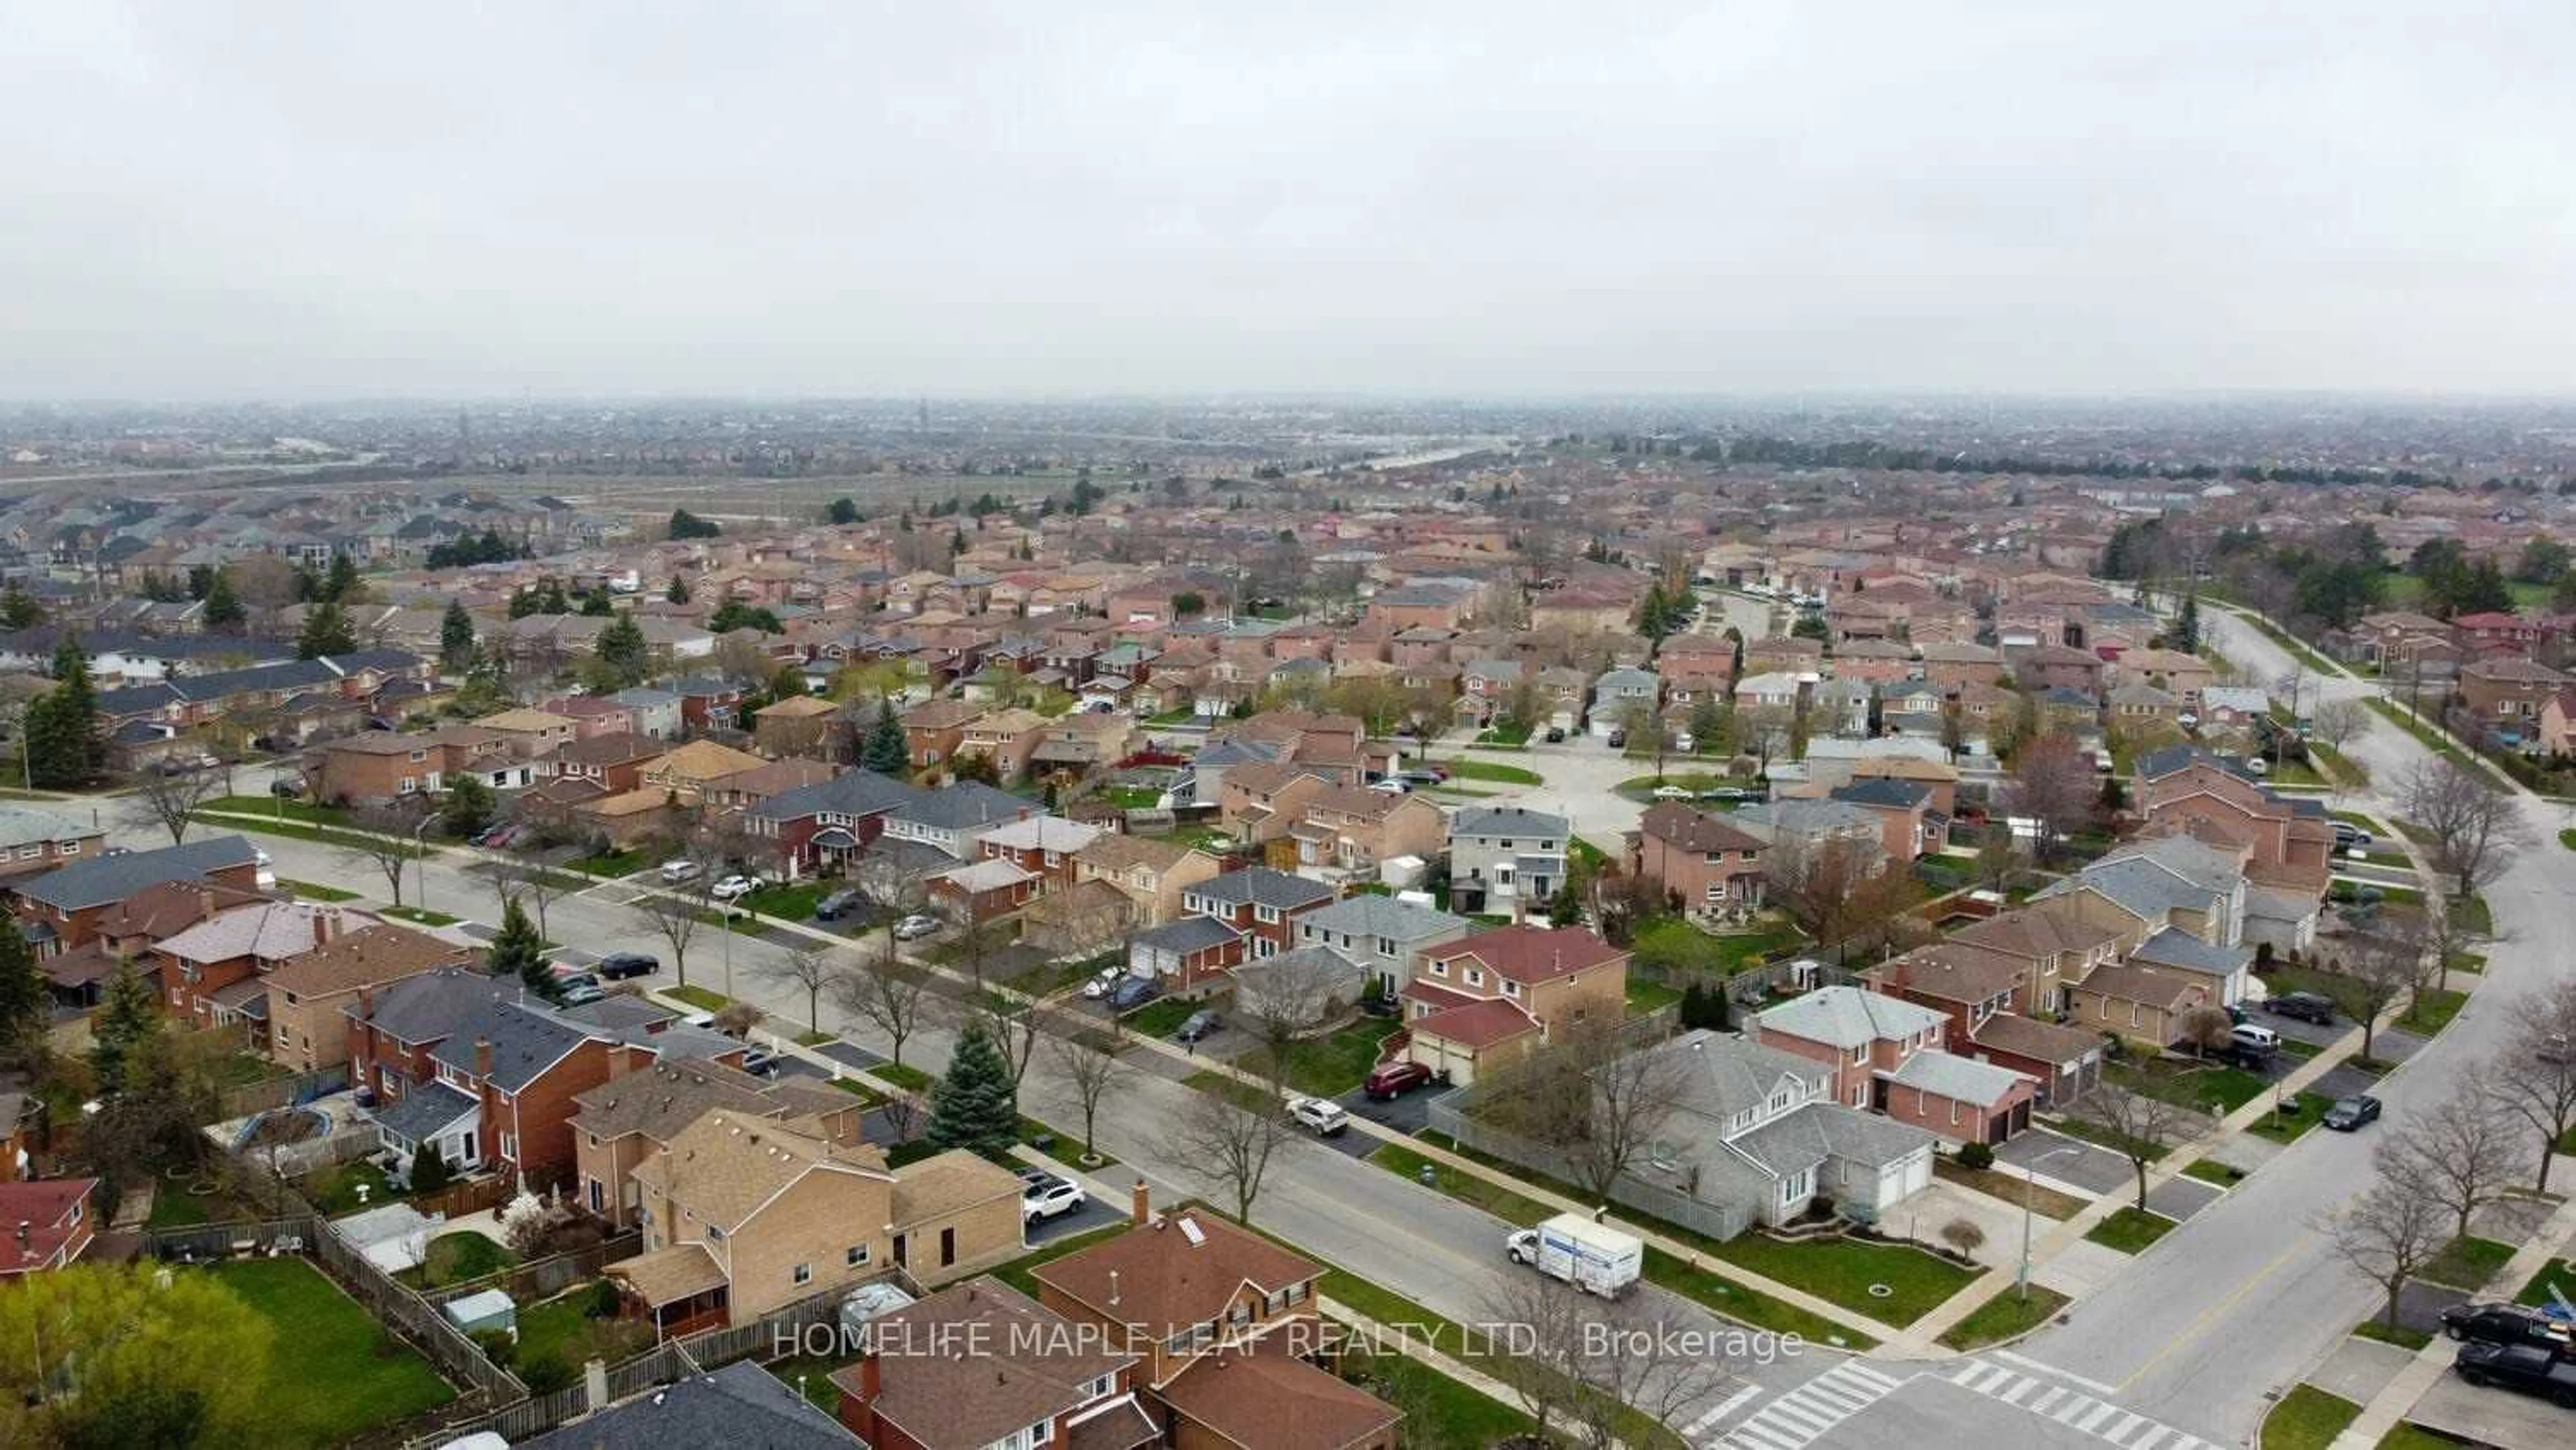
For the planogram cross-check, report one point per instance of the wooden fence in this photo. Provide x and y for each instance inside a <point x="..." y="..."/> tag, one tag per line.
<point x="459" y="1199"/>
<point x="279" y="1092"/>
<point x="544" y="1278"/>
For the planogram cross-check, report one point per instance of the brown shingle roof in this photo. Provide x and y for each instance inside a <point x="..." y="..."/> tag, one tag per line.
<point x="1164" y="1281"/>
<point x="1262" y="1394"/>
<point x="1529" y="954"/>
<point x="1035" y="1365"/>
<point x="948" y="1183"/>
<point x="1694" y="830"/>
<point x="724" y="1166"/>
<point x="370" y="957"/>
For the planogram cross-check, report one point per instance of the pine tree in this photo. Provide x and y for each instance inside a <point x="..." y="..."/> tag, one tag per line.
<point x="326" y="632"/>
<point x="456" y="637"/>
<point x="201" y="580"/>
<point x="18" y="610"/>
<point x="429" y="1170"/>
<point x="623" y="652"/>
<point x="678" y="593"/>
<point x="2186" y="635"/>
<point x="224" y="611"/>
<point x="887" y="751"/>
<point x="23" y="993"/>
<point x="517" y="951"/>
<point x="125" y="1017"/>
<point x="975" y="1105"/>
<point x="469" y="806"/>
<point x="65" y="746"/>
<point x="341" y="586"/>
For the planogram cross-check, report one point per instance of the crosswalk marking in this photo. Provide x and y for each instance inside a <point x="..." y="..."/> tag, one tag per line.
<point x="1807" y="1414"/>
<point x="2094" y="1416"/>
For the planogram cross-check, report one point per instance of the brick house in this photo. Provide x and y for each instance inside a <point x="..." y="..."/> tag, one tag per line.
<point x="458" y="1059"/>
<point x="1223" y="1317"/>
<point x="2046" y="951"/>
<point x="1155" y="875"/>
<point x="646" y="1103"/>
<point x="983" y="890"/>
<point x="1886" y="1054"/>
<point x="1260" y="903"/>
<point x="212" y="974"/>
<point x="1908" y="827"/>
<point x="2144" y="1004"/>
<point x="1697" y="856"/>
<point x="61" y="910"/>
<point x="1487" y="1000"/>
<point x="613" y="762"/>
<point x="934" y="729"/>
<point x="745" y="1216"/>
<point x="1186" y="954"/>
<point x="33" y="839"/>
<point x="1043" y="846"/>
<point x="2507" y="694"/>
<point x="309" y="994"/>
<point x="820" y="829"/>
<point x="1035" y="1380"/>
<point x="1351" y="829"/>
<point x="379" y="766"/>
<point x="2494" y="634"/>
<point x="1384" y="936"/>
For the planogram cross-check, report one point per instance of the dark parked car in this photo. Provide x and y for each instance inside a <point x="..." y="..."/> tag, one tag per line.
<point x="1133" y="993"/>
<point x="839" y="904"/>
<point x="1201" y="1023"/>
<point x="2306" y="1006"/>
<point x="2349" y="1114"/>
<point x="618" y="966"/>
<point x="2523" y="1367"/>
<point x="1395" y="1079"/>
<point x="1618" y="739"/>
<point x="1556" y="735"/>
<point x="2506" y="1324"/>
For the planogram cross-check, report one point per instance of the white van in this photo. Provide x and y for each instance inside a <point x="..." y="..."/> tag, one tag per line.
<point x="2248" y="1034"/>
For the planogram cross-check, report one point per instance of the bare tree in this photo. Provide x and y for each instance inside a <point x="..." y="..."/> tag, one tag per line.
<point x="2377" y="967"/>
<point x="1231" y="1135"/>
<point x="1090" y="1066"/>
<point x="2389" y="1233"/>
<point x="387" y="840"/>
<point x="809" y="970"/>
<point x="2055" y="787"/>
<point x="1597" y="1096"/>
<point x="2134" y="1125"/>
<point x="2207" y="1029"/>
<point x="2458" y="1155"/>
<point x="677" y="919"/>
<point x="1015" y="1029"/>
<point x="902" y="1113"/>
<point x="1638" y="1366"/>
<point x="1768" y="730"/>
<point x="2473" y="827"/>
<point x="1839" y="887"/>
<point x="889" y="994"/>
<point x="2535" y="1078"/>
<point x="533" y="882"/>
<point x="1546" y="1319"/>
<point x="1285" y="998"/>
<point x="2336" y="724"/>
<point x="173" y="797"/>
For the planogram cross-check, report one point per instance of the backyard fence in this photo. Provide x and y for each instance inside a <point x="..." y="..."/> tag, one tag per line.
<point x="459" y="1199"/>
<point x="280" y="1092"/>
<point x="544" y="1278"/>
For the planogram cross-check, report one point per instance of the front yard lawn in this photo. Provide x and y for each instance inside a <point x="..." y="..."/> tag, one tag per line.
<point x="421" y="916"/>
<point x="1748" y="1306"/>
<point x="2475" y="915"/>
<point x="2432" y="1009"/>
<point x="2199" y="1085"/>
<point x="2307" y="1418"/>
<point x="2010" y="1187"/>
<point x="699" y="997"/>
<point x="903" y="1075"/>
<point x="2003" y="1317"/>
<point x="2467" y="1263"/>
<point x="2130" y="1231"/>
<point x="2376" y="1329"/>
<point x="608" y="863"/>
<point x="790" y="903"/>
<point x="277" y="808"/>
<point x="2209" y="1170"/>
<point x="1330" y="1065"/>
<point x="334" y="1373"/>
<point x="1473" y="769"/>
<point x="1519" y="1210"/>
<point x="1161" y="1017"/>
<point x="314" y="890"/>
<point x="1843" y="1270"/>
<point x="2560" y="1272"/>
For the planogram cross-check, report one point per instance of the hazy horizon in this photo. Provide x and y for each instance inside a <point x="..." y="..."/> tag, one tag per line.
<point x="1659" y="203"/>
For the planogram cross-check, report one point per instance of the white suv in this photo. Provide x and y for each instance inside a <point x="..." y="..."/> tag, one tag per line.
<point x="1044" y="1196"/>
<point x="1322" y="1118"/>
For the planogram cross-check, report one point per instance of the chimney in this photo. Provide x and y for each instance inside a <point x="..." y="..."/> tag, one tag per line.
<point x="206" y="900"/>
<point x="621" y="1060"/>
<point x="366" y="1004"/>
<point x="871" y="1377"/>
<point x="483" y="1057"/>
<point x="1141" y="1206"/>
<point x="323" y="918"/>
<point x="594" y="1385"/>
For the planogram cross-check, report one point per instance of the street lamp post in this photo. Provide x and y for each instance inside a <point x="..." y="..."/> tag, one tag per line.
<point x="420" y="863"/>
<point x="2029" y="1178"/>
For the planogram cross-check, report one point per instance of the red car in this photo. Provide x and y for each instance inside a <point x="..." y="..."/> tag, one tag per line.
<point x="1395" y="1079"/>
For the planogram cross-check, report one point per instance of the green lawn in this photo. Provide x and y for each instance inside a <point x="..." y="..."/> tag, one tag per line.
<point x="276" y="808"/>
<point x="699" y="997"/>
<point x="2375" y="1328"/>
<point x="1672" y="946"/>
<point x="2003" y="1317"/>
<point x="790" y="903"/>
<point x="335" y="1190"/>
<point x="2561" y="1272"/>
<point x="1161" y="1017"/>
<point x="2567" y="838"/>
<point x="314" y="891"/>
<point x="173" y="1206"/>
<point x="1509" y="734"/>
<point x="2287" y="1127"/>
<point x="2405" y="1435"/>
<point x="2209" y="1170"/>
<point x="1487" y="770"/>
<point x="2475" y="915"/>
<point x="240" y="1069"/>
<point x="2467" y="1263"/>
<point x="2307" y="1418"/>
<point x="1132" y="797"/>
<point x="422" y="916"/>
<point x="1330" y="1065"/>
<point x="2130" y="1231"/>
<point x="1063" y="1147"/>
<point x="608" y="863"/>
<point x="1645" y="996"/>
<point x="903" y="1075"/>
<point x="1516" y="1209"/>
<point x="2432" y="1009"/>
<point x="455" y="1257"/>
<point x="1842" y="1271"/>
<point x="562" y="1328"/>
<point x="1450" y="1415"/>
<point x="2198" y="1085"/>
<point x="334" y="1372"/>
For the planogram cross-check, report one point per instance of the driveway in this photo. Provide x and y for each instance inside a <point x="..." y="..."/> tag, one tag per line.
<point x="2087" y="1166"/>
<point x="2493" y="1417"/>
<point x="1094" y="1213"/>
<point x="1943" y="1203"/>
<point x="1409" y="1114"/>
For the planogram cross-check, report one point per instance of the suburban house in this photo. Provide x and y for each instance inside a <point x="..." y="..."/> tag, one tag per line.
<point x="2164" y="911"/>
<point x="2184" y="787"/>
<point x="1043" y="846"/>
<point x="1885" y="1053"/>
<point x="951" y="817"/>
<point x="821" y="829"/>
<point x="55" y="1220"/>
<point x="1345" y="830"/>
<point x="1488" y="1000"/>
<point x="60" y="910"/>
<point x="2045" y="950"/>
<point x="2506" y="695"/>
<point x="1384" y="936"/>
<point x="1757" y="1133"/>
<point x="214" y="973"/>
<point x="743" y="1216"/>
<point x="1258" y="902"/>
<point x="683" y="773"/>
<point x="983" y="890"/>
<point x="1223" y="1317"/>
<point x="736" y="1404"/>
<point x="1698" y="857"/>
<point x="309" y="994"/>
<point x="1187" y="953"/>
<point x="1503" y="858"/>
<point x="1155" y="875"/>
<point x="378" y="766"/>
<point x="1034" y="1380"/>
<point x="614" y="763"/>
<point x="934" y="729"/>
<point x="33" y="839"/>
<point x="1908" y="827"/>
<point x="2144" y="1004"/>
<point x="646" y="1103"/>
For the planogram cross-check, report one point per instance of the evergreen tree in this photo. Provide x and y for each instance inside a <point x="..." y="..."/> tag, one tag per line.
<point x="975" y="1105"/>
<point x="2186" y="633"/>
<point x="686" y="525"/>
<point x="201" y="580"/>
<point x="326" y="632"/>
<point x="622" y="651"/>
<point x="308" y="585"/>
<point x="341" y="585"/>
<point x="787" y="684"/>
<point x="65" y="746"/>
<point x="18" y="610"/>
<point x="517" y="951"/>
<point x="842" y="511"/>
<point x="224" y="610"/>
<point x="595" y="604"/>
<point x="456" y="637"/>
<point x="678" y="593"/>
<point x="886" y="750"/>
<point x="126" y="1016"/>
<point x="23" y="993"/>
<point x="469" y="806"/>
<point x="429" y="1170"/>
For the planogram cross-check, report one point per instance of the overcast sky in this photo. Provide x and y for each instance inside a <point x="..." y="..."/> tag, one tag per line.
<point x="271" y="200"/>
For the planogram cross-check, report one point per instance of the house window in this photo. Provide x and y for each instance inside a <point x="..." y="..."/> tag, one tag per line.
<point x="510" y="1146"/>
<point x="1439" y="969"/>
<point x="1511" y="989"/>
<point x="1099" y="1387"/>
<point x="1475" y="978"/>
<point x="857" y="1256"/>
<point x="803" y="1274"/>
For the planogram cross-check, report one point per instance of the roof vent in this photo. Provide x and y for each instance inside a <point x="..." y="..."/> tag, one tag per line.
<point x="1190" y="1230"/>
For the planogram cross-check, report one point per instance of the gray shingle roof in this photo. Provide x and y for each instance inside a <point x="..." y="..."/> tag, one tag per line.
<point x="740" y="1404"/>
<point x="1262" y="886"/>
<point x="1189" y="934"/>
<point x="1847" y="1017"/>
<point x="856" y="793"/>
<point x="525" y="1042"/>
<point x="111" y="879"/>
<point x="962" y="806"/>
<point x="1508" y="821"/>
<point x="1371" y="915"/>
<point x="422" y="1111"/>
<point x="1951" y="1076"/>
<point x="2174" y="947"/>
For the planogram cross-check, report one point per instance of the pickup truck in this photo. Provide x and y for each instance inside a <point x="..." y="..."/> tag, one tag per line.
<point x="2524" y="1367"/>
